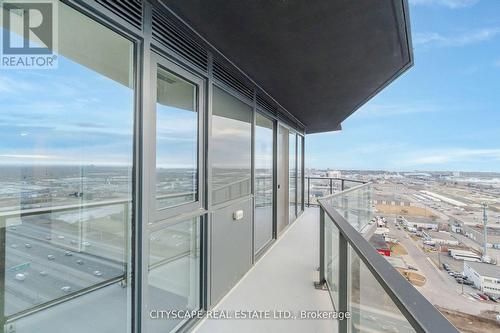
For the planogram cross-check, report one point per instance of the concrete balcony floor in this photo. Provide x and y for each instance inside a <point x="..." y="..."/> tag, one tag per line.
<point x="281" y="280"/>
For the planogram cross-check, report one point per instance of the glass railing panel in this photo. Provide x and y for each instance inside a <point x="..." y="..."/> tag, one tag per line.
<point x="354" y="205"/>
<point x="359" y="280"/>
<point x="371" y="308"/>
<point x="332" y="259"/>
<point x="317" y="188"/>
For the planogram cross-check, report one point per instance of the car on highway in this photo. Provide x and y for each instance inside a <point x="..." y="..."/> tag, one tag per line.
<point x="413" y="268"/>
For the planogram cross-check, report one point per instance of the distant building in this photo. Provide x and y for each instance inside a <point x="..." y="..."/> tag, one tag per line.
<point x="420" y="225"/>
<point x="485" y="277"/>
<point x="438" y="238"/>
<point x="333" y="174"/>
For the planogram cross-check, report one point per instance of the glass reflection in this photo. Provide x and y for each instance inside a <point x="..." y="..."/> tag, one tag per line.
<point x="174" y="272"/>
<point x="263" y="181"/>
<point x="231" y="147"/>
<point x="176" y="141"/>
<point x="300" y="174"/>
<point x="66" y="181"/>
<point x="292" y="143"/>
<point x="371" y="308"/>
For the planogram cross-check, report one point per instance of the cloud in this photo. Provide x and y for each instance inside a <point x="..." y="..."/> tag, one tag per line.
<point x="8" y="85"/>
<point x="453" y="155"/>
<point x="434" y="38"/>
<point x="28" y="156"/>
<point x="390" y="110"/>
<point x="452" y="4"/>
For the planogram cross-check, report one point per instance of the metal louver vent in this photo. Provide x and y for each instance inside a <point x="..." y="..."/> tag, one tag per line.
<point x="130" y="11"/>
<point x="266" y="105"/>
<point x="178" y="39"/>
<point x="284" y="117"/>
<point x="232" y="78"/>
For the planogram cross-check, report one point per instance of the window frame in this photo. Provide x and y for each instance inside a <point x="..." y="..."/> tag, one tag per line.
<point x="109" y="20"/>
<point x="259" y="252"/>
<point x="160" y="214"/>
<point x="300" y="177"/>
<point x="211" y="204"/>
<point x="292" y="132"/>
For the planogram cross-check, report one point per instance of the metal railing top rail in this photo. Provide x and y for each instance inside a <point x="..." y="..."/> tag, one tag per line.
<point x="330" y="186"/>
<point x="82" y="205"/>
<point x="338" y="178"/>
<point x="344" y="192"/>
<point x="419" y="312"/>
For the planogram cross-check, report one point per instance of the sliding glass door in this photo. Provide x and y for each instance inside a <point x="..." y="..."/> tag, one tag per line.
<point x="264" y="191"/>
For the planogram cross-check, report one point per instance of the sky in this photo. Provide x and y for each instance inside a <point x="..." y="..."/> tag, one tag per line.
<point x="46" y="120"/>
<point x="444" y="113"/>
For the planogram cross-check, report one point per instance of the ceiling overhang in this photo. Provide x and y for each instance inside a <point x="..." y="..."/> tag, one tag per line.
<point x="320" y="59"/>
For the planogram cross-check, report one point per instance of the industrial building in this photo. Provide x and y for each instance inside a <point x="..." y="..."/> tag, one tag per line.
<point x="438" y="238"/>
<point x="486" y="277"/>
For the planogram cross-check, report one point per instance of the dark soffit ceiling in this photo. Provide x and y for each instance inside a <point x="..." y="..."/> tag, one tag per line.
<point x="320" y="59"/>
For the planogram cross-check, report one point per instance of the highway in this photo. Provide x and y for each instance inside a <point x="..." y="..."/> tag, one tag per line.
<point x="27" y="252"/>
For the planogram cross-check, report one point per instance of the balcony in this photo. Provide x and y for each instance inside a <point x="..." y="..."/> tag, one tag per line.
<point x="353" y="278"/>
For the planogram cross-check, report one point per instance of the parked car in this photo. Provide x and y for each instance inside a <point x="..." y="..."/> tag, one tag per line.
<point x="462" y="281"/>
<point x="476" y="296"/>
<point x="483" y="296"/>
<point x="446" y="267"/>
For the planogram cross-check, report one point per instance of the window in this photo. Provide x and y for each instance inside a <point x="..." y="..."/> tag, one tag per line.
<point x="263" y="181"/>
<point x="231" y="147"/>
<point x="174" y="272"/>
<point x="66" y="181"/>
<point x="300" y="175"/>
<point x="176" y="141"/>
<point x="292" y="176"/>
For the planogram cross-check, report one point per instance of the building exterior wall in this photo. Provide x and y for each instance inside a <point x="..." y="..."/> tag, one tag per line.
<point x="473" y="276"/>
<point x="491" y="285"/>
<point x="169" y="264"/>
<point x="486" y="284"/>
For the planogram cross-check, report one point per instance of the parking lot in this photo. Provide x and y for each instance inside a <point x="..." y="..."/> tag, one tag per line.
<point x="440" y="289"/>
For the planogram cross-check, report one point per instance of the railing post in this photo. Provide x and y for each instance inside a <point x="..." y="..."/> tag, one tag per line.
<point x="308" y="192"/>
<point x="321" y="284"/>
<point x="343" y="282"/>
<point x="331" y="186"/>
<point x="342" y="185"/>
